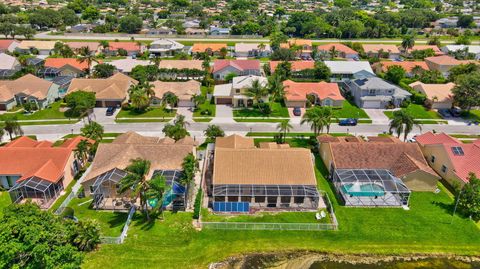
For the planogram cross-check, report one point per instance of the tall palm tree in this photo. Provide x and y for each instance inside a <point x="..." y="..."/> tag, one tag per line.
<point x="402" y="122"/>
<point x="136" y="181"/>
<point x="198" y="99"/>
<point x="82" y="150"/>
<point x="408" y="42"/>
<point x="276" y="87"/>
<point x="314" y="118"/>
<point x="87" y="57"/>
<point x="170" y="99"/>
<point x="180" y="121"/>
<point x="417" y="70"/>
<point x="148" y="88"/>
<point x="156" y="188"/>
<point x="333" y="52"/>
<point x="328" y="116"/>
<point x="13" y="127"/>
<point x="104" y="44"/>
<point x="140" y="99"/>
<point x="284" y="127"/>
<point x="256" y="91"/>
<point x="93" y="130"/>
<point x="261" y="47"/>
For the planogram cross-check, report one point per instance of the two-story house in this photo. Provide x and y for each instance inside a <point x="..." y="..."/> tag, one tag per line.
<point x="165" y="47"/>
<point x="221" y="68"/>
<point x="234" y="93"/>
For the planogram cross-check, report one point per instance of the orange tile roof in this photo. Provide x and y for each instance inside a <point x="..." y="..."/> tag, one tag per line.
<point x="296" y="65"/>
<point x="202" y="47"/>
<point x="338" y="46"/>
<point x="128" y="46"/>
<point x="61" y="62"/>
<point x="298" y="42"/>
<point x="425" y="47"/>
<point x="406" y="65"/>
<point x="27" y="157"/>
<point x="298" y="91"/>
<point x="443" y="60"/>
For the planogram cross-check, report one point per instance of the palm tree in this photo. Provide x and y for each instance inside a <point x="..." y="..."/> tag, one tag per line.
<point x="276" y="87"/>
<point x="408" y="42"/>
<point x="284" y="127"/>
<point x="13" y="127"/>
<point x="104" y="44"/>
<point x="156" y="188"/>
<point x="93" y="131"/>
<point x="417" y="70"/>
<point x="333" y="52"/>
<point x="314" y="118"/>
<point x="140" y="99"/>
<point x="136" y="181"/>
<point x="256" y="91"/>
<point x="402" y="122"/>
<point x="82" y="150"/>
<point x="180" y="121"/>
<point x="88" y="235"/>
<point x="148" y="88"/>
<point x="86" y="56"/>
<point x="206" y="64"/>
<point x="261" y="47"/>
<point x="170" y="99"/>
<point x="189" y="167"/>
<point x="328" y="116"/>
<point x="198" y="99"/>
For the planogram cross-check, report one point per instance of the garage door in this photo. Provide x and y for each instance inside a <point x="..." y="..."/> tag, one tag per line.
<point x="371" y="104"/>
<point x="112" y="103"/>
<point x="185" y="103"/>
<point x="224" y="101"/>
<point x="3" y="107"/>
<point x="98" y="104"/>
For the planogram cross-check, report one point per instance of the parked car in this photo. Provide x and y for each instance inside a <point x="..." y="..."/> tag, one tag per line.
<point x="297" y="111"/>
<point x="348" y="122"/>
<point x="455" y="112"/>
<point x="445" y="113"/>
<point x="110" y="110"/>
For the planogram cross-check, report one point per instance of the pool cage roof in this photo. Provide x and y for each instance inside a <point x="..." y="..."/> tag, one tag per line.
<point x="173" y="180"/>
<point x="62" y="80"/>
<point x="34" y="183"/>
<point x="48" y="72"/>
<point x="380" y="177"/>
<point x="265" y="190"/>
<point x="7" y="73"/>
<point x="114" y="175"/>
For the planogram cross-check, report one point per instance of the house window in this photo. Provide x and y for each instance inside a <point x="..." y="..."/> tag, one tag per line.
<point x="444" y="169"/>
<point x="237" y="90"/>
<point x="432" y="159"/>
<point x="371" y="92"/>
<point x="91" y="188"/>
<point x="328" y="102"/>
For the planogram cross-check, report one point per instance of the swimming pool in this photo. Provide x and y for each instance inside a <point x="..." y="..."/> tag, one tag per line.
<point x="365" y="189"/>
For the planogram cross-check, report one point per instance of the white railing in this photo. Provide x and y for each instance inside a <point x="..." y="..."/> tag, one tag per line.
<point x="123" y="235"/>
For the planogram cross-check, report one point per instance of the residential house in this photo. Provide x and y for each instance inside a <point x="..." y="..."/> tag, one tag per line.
<point x="9" y="65"/>
<point x="191" y="24"/>
<point x="374" y="50"/>
<point x="181" y="64"/>
<point x="245" y="50"/>
<point x="449" y="157"/>
<point x="435" y="49"/>
<point x="304" y="47"/>
<point x="209" y="48"/>
<point x="28" y="88"/>
<point x="37" y="170"/>
<point x="43" y="47"/>
<point x="109" y="92"/>
<point x="184" y="90"/>
<point x="108" y="169"/>
<point x="234" y="93"/>
<point x="246" y="178"/>
<point x="221" y="68"/>
<point x="219" y="31"/>
<point x="410" y="67"/>
<point x="93" y="47"/>
<point x="374" y="92"/>
<point x="160" y="31"/>
<point x="181" y="69"/>
<point x="298" y="94"/>
<point x="341" y="51"/>
<point x="443" y="63"/>
<point x="126" y="65"/>
<point x="195" y="32"/>
<point x="344" y="70"/>
<point x="295" y="65"/>
<point x="67" y="66"/>
<point x="165" y="47"/>
<point x="8" y="45"/>
<point x="381" y="172"/>
<point x="440" y="95"/>
<point x="132" y="48"/>
<point x="473" y="49"/>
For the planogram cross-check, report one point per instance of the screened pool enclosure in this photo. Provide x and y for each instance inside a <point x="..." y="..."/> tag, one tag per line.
<point x="370" y="187"/>
<point x="39" y="191"/>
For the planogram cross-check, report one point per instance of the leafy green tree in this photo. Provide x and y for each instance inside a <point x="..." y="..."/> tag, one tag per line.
<point x="469" y="198"/>
<point x="87" y="235"/>
<point x="130" y="24"/>
<point x="465" y="21"/>
<point x="198" y="99"/>
<point x="139" y="98"/>
<point x="276" y="87"/>
<point x="93" y="130"/>
<point x="213" y="131"/>
<point x="86" y="57"/>
<point x="408" y="42"/>
<point x="463" y="40"/>
<point x="189" y="167"/>
<point x="402" y="122"/>
<point x="45" y="18"/>
<point x="12" y="127"/>
<point x="395" y="73"/>
<point x="82" y="150"/>
<point x="103" y="70"/>
<point x="466" y="92"/>
<point x="68" y="16"/>
<point x="352" y="28"/>
<point x="170" y="99"/>
<point x="284" y="70"/>
<point x="462" y="69"/>
<point x="80" y="103"/>
<point x="174" y="131"/>
<point x="283" y="54"/>
<point x="90" y="13"/>
<point x="322" y="71"/>
<point x="432" y="77"/>
<point x="229" y="77"/>
<point x="284" y="127"/>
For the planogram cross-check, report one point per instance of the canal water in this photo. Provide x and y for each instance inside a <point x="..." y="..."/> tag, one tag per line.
<point x="436" y="263"/>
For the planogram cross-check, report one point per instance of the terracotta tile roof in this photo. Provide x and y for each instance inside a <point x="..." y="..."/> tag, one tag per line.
<point x="406" y="65"/>
<point x="181" y="64"/>
<point x="240" y="65"/>
<point x="375" y="48"/>
<point x="27" y="157"/>
<point x="183" y="90"/>
<point x="383" y="139"/>
<point x="443" y="60"/>
<point x="5" y="43"/>
<point x="443" y="92"/>
<point x="298" y="91"/>
<point x="338" y="47"/>
<point x="202" y="47"/>
<point x="425" y="47"/>
<point x="430" y="138"/>
<point x="162" y="154"/>
<point x="61" y="62"/>
<point x="128" y="46"/>
<point x="234" y="142"/>
<point x="398" y="157"/>
<point x="28" y="84"/>
<point x="296" y="65"/>
<point x="298" y="42"/>
<point x="114" y="88"/>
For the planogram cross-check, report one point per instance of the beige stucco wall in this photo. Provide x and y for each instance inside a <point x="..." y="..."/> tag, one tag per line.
<point x="420" y="181"/>
<point x="441" y="158"/>
<point x="326" y="155"/>
<point x="68" y="171"/>
<point x="295" y="103"/>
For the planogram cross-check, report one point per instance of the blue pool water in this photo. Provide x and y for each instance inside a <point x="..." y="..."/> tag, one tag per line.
<point x="367" y="189"/>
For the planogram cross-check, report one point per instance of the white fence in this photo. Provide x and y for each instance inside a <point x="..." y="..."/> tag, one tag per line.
<point x="121" y="238"/>
<point x="269" y="226"/>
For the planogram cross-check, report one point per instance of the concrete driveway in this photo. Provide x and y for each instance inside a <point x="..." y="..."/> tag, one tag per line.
<point x="377" y="116"/>
<point x="223" y="114"/>
<point x="186" y="111"/>
<point x="100" y="117"/>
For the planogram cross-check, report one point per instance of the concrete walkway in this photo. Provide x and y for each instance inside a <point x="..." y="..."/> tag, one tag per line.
<point x="223" y="114"/>
<point x="377" y="116"/>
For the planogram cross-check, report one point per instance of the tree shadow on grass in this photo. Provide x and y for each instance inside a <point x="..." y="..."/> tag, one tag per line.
<point x="118" y="219"/>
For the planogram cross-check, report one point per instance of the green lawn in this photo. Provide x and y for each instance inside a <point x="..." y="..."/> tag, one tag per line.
<point x="157" y="112"/>
<point x="350" y="110"/>
<point x="202" y="119"/>
<point x="271" y="134"/>
<point x="472" y="115"/>
<point x="5" y="201"/>
<point x="278" y="111"/>
<point x="141" y="120"/>
<point x="418" y="112"/>
<point x="281" y="217"/>
<point x="49" y="113"/>
<point x="257" y="120"/>
<point x="111" y="223"/>
<point x="173" y="243"/>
